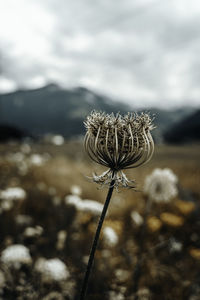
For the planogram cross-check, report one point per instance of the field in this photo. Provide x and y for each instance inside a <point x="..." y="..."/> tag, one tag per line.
<point x="142" y="254"/>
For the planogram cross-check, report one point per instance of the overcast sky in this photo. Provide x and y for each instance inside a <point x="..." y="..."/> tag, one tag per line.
<point x="144" y="51"/>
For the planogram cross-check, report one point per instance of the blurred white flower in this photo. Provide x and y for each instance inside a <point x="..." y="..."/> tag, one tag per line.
<point x="160" y="185"/>
<point x="116" y="296"/>
<point x="57" y="140"/>
<point x="9" y="196"/>
<point x="17" y="157"/>
<point x="25" y="148"/>
<point x="144" y="293"/>
<point x="122" y="275"/>
<point x="136" y="218"/>
<point x="76" y="190"/>
<point x="23" y="220"/>
<point x="16" y="255"/>
<point x="73" y="200"/>
<point x="110" y="236"/>
<point x="33" y="231"/>
<point x="36" y="160"/>
<point x="52" y="269"/>
<point x="6" y="205"/>
<point x="13" y="193"/>
<point x="23" y="168"/>
<point x="175" y="246"/>
<point x="91" y="206"/>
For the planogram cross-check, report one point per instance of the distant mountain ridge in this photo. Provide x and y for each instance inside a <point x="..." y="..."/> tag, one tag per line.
<point x="185" y="131"/>
<point x="55" y="110"/>
<point x="52" y="109"/>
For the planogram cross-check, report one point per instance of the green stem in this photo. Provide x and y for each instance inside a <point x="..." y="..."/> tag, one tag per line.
<point x="95" y="242"/>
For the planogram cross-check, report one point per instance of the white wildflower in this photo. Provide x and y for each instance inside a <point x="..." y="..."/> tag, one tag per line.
<point x="52" y="269"/>
<point x="16" y="255"/>
<point x="23" y="220"/>
<point x="175" y="246"/>
<point x="76" y="190"/>
<point x="73" y="200"/>
<point x="136" y="218"/>
<point x="9" y="196"/>
<point x="6" y="205"/>
<point x="25" y="148"/>
<point x="36" y="160"/>
<point x="116" y="296"/>
<point x="84" y="205"/>
<point x="110" y="236"/>
<point x="122" y="275"/>
<point x="13" y="193"/>
<point x="92" y="206"/>
<point x="160" y="185"/>
<point x="33" y="231"/>
<point x="57" y="140"/>
<point x="144" y="294"/>
<point x="17" y="157"/>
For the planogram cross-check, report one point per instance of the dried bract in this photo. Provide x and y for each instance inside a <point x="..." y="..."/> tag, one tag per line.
<point x="118" y="142"/>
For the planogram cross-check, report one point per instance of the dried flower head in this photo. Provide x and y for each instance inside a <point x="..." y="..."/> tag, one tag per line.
<point x="118" y="142"/>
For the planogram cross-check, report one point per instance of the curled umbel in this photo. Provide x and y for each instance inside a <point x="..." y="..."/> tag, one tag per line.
<point x="118" y="142"/>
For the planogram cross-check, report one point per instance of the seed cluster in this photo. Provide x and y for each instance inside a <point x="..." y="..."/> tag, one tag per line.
<point x="118" y="142"/>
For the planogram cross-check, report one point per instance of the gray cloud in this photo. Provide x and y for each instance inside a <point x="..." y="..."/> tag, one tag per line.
<point x="145" y="51"/>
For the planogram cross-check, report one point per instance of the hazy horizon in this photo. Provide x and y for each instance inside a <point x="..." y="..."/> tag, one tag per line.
<point x="133" y="104"/>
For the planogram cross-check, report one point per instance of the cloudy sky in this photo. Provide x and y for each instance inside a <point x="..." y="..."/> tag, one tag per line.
<point x="146" y="52"/>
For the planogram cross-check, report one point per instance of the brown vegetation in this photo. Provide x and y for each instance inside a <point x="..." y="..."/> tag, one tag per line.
<point x="170" y="254"/>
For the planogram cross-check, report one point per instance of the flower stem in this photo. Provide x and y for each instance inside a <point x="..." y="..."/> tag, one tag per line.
<point x="95" y="242"/>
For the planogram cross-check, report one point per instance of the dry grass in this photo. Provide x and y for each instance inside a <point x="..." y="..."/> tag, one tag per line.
<point x="164" y="273"/>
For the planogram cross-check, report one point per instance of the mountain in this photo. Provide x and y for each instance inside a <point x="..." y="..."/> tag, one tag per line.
<point x="185" y="131"/>
<point x="166" y="119"/>
<point x="52" y="109"/>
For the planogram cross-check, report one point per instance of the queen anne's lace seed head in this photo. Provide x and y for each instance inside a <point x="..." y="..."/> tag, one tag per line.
<point x="118" y="142"/>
